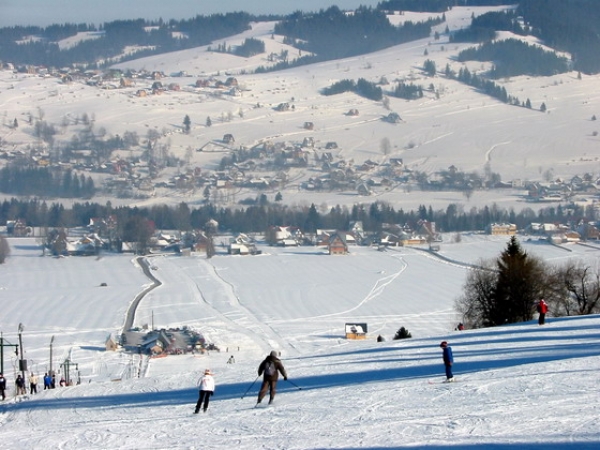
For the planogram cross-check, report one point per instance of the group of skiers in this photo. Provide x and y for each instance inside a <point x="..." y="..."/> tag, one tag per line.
<point x="269" y="368"/>
<point x="20" y="385"/>
<point x="33" y="379"/>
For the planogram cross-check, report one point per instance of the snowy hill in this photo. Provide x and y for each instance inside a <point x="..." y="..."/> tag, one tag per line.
<point x="452" y="125"/>
<point x="520" y="386"/>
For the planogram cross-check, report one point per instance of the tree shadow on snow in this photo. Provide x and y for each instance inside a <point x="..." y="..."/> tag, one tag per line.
<point x="398" y="356"/>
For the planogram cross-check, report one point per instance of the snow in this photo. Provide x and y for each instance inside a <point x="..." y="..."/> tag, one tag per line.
<point x="521" y="386"/>
<point x="518" y="386"/>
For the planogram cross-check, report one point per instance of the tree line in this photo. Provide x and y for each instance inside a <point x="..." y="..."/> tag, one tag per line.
<point x="433" y="5"/>
<point x="259" y="217"/>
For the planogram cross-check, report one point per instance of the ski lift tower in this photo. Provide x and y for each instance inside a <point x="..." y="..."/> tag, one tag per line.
<point x="66" y="365"/>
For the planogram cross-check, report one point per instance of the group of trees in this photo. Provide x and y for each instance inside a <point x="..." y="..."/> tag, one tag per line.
<point x="513" y="57"/>
<point x="372" y="91"/>
<point x="45" y="182"/>
<point x="361" y="87"/>
<point x="483" y="28"/>
<point x="113" y="37"/>
<point x="408" y="91"/>
<point x="507" y="289"/>
<point x="250" y="47"/>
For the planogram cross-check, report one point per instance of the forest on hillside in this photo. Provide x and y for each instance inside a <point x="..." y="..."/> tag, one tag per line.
<point x="333" y="34"/>
<point x="39" y="46"/>
<point x="567" y="25"/>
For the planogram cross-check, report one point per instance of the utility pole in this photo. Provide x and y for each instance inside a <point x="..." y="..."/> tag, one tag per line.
<point x="51" y="342"/>
<point x="22" y="362"/>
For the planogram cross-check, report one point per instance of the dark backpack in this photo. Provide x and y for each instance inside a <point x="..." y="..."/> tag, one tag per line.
<point x="270" y="368"/>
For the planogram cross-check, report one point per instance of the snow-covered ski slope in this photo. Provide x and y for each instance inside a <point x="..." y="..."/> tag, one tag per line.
<point x="520" y="386"/>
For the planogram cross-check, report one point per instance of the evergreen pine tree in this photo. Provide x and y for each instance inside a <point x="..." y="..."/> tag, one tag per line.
<point x="402" y="333"/>
<point x="520" y="280"/>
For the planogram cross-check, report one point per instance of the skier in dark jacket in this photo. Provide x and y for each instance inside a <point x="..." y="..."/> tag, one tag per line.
<point x="20" y="383"/>
<point x="270" y="367"/>
<point x="2" y="386"/>
<point x="448" y="360"/>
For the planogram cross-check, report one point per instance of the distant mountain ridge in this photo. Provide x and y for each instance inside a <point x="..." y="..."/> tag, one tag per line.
<point x="567" y="25"/>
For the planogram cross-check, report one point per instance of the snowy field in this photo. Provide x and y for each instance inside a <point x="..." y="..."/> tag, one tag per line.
<point x="520" y="386"/>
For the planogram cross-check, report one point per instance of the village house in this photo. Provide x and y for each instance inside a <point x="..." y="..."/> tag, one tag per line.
<point x="283" y="236"/>
<point x="337" y="244"/>
<point x="111" y="344"/>
<point x="242" y="245"/>
<point x="588" y="231"/>
<point x="502" y="229"/>
<point x="126" y="82"/>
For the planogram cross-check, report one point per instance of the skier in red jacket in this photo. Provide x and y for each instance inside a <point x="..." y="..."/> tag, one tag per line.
<point x="542" y="309"/>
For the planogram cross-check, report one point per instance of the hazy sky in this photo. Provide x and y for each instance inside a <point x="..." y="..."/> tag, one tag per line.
<point x="47" y="12"/>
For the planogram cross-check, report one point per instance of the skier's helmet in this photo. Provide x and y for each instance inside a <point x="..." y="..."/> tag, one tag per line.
<point x="444" y="344"/>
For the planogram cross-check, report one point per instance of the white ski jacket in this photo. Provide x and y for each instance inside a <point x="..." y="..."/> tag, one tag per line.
<point x="207" y="383"/>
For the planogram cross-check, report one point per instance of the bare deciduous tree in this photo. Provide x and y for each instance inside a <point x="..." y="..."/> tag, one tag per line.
<point x="577" y="290"/>
<point x="476" y="303"/>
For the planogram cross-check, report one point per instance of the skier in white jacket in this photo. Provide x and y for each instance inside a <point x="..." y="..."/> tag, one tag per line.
<point x="207" y="388"/>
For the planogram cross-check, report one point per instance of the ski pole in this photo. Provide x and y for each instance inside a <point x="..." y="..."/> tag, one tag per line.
<point x="294" y="384"/>
<point x="248" y="390"/>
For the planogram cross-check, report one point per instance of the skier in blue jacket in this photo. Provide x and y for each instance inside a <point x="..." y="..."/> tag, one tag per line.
<point x="448" y="360"/>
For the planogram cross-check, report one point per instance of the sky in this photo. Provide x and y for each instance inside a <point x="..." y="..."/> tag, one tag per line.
<point x="44" y="12"/>
<point x="517" y="387"/>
